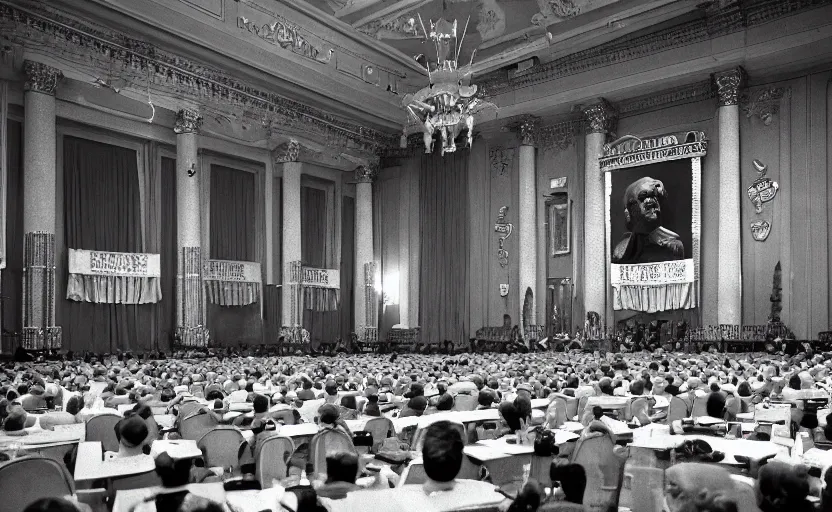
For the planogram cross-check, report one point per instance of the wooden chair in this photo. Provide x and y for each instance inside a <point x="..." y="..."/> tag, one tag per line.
<point x="221" y="447"/>
<point x="465" y="403"/>
<point x="103" y="428"/>
<point x="603" y="470"/>
<point x="380" y="429"/>
<point x="328" y="442"/>
<point x="195" y="426"/>
<point x="678" y="409"/>
<point x="419" y="437"/>
<point x="557" y="412"/>
<point x="272" y="458"/>
<point x="28" y="479"/>
<point x="700" y="407"/>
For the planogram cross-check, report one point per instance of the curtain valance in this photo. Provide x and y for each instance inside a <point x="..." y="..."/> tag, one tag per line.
<point x="232" y="283"/>
<point x="653" y="287"/>
<point x="113" y="277"/>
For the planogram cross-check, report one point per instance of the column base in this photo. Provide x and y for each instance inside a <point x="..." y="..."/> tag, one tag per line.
<point x="191" y="337"/>
<point x="42" y="338"/>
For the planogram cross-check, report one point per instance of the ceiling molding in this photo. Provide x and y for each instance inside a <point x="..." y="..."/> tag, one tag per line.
<point x="145" y="65"/>
<point x="629" y="47"/>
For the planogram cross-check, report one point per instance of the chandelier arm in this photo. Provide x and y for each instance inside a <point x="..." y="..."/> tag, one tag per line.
<point x="459" y="49"/>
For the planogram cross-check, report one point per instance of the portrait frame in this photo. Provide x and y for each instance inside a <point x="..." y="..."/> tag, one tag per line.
<point x="631" y="151"/>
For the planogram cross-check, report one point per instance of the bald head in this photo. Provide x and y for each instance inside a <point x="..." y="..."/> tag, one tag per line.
<point x="642" y="204"/>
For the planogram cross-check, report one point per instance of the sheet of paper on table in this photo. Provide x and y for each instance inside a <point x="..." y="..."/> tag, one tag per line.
<point x="129" y="498"/>
<point x="815" y="457"/>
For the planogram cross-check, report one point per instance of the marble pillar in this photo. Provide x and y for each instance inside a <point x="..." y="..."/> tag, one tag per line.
<point x="39" y="191"/>
<point x="366" y="299"/>
<point x="191" y="330"/>
<point x="291" y="293"/>
<point x="600" y="121"/>
<point x="729" y="272"/>
<point x="527" y="220"/>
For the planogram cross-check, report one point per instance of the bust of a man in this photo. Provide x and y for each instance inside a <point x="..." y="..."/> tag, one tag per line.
<point x="646" y="241"/>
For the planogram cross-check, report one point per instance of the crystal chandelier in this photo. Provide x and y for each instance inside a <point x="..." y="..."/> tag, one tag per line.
<point x="446" y="107"/>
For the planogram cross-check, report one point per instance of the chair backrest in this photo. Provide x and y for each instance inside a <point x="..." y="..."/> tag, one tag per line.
<point x="581" y="406"/>
<point x="287" y="416"/>
<point x="419" y="436"/>
<point x="139" y="481"/>
<point x="746" y="496"/>
<point x="380" y="429"/>
<point x="643" y="489"/>
<point x="271" y="458"/>
<point x="221" y="447"/>
<point x="634" y="406"/>
<point x="328" y="442"/>
<point x="556" y="413"/>
<point x="188" y="408"/>
<point x="465" y="403"/>
<point x="195" y="426"/>
<point x="413" y="474"/>
<point x="602" y="467"/>
<point x="102" y="428"/>
<point x="678" y="409"/>
<point x="28" y="479"/>
<point x="700" y="407"/>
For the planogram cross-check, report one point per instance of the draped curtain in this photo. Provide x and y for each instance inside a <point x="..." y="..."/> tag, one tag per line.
<point x="320" y="316"/>
<point x="272" y="293"/>
<point x="233" y="237"/>
<point x="347" y="305"/>
<point x="168" y="250"/>
<point x="102" y="212"/>
<point x="443" y="283"/>
<point x="12" y="278"/>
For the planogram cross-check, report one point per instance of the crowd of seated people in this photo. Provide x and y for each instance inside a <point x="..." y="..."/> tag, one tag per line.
<point x="262" y="395"/>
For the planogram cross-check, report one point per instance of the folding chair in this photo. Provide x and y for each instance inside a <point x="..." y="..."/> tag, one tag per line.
<point x="195" y="426"/>
<point x="556" y="413"/>
<point x="678" y="409"/>
<point x="102" y="427"/>
<point x="380" y="429"/>
<point x="465" y="403"/>
<point x="28" y="479"/>
<point x="328" y="442"/>
<point x="603" y="470"/>
<point x="221" y="447"/>
<point x="272" y="458"/>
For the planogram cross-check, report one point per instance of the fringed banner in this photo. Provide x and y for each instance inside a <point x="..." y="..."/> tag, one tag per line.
<point x="653" y="287"/>
<point x="113" y="277"/>
<point x="321" y="277"/>
<point x="232" y="283"/>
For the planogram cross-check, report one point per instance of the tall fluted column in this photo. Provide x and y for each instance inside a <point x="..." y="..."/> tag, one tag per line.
<point x="366" y="300"/>
<point x="729" y="272"/>
<point x="191" y="330"/>
<point x="39" y="182"/>
<point x="291" y="297"/>
<point x="600" y="121"/>
<point x="527" y="219"/>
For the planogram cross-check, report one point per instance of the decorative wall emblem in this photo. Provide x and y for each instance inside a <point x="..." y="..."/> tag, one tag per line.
<point x="763" y="189"/>
<point x="492" y="20"/>
<point x="764" y="103"/>
<point x="760" y="230"/>
<point x="503" y="290"/>
<point x="505" y="229"/>
<point x="501" y="160"/>
<point x="403" y="27"/>
<point x="288" y="36"/>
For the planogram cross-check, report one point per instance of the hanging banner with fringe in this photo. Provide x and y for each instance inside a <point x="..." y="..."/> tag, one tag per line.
<point x="113" y="277"/>
<point x="232" y="283"/>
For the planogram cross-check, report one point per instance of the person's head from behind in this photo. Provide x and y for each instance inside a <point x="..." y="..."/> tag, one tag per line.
<point x="172" y="472"/>
<point x="528" y="499"/>
<point x="131" y="432"/>
<point x="261" y="404"/>
<point x="637" y="388"/>
<point x="328" y="414"/>
<point x="744" y="389"/>
<point x="696" y="487"/>
<point x="445" y="403"/>
<point x="571" y="478"/>
<point x="510" y="416"/>
<point x="715" y="405"/>
<point x="349" y="402"/>
<point x="52" y="505"/>
<point x="418" y="404"/>
<point x="442" y="451"/>
<point x="794" y="381"/>
<point x="485" y="398"/>
<point x="782" y="487"/>
<point x="342" y="467"/>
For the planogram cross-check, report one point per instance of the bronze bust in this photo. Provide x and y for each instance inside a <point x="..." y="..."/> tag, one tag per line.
<point x="646" y="241"/>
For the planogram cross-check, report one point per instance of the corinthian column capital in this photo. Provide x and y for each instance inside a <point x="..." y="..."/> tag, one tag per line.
<point x="728" y="85"/>
<point x="528" y="130"/>
<point x="187" y="121"/>
<point x="41" y="77"/>
<point x="600" y="117"/>
<point x="366" y="173"/>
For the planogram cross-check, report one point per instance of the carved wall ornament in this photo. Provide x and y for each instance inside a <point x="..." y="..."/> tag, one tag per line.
<point x="504" y="289"/>
<point x="764" y="103"/>
<point x="403" y="27"/>
<point x="600" y="118"/>
<point x="556" y="10"/>
<point x="528" y="130"/>
<point x="559" y="136"/>
<point x="760" y="229"/>
<point x="763" y="189"/>
<point x="40" y="77"/>
<point x="728" y="85"/>
<point x="288" y="36"/>
<point x="187" y="121"/>
<point x="492" y="20"/>
<point x="366" y="173"/>
<point x="501" y="160"/>
<point x="289" y="152"/>
<point x="505" y="229"/>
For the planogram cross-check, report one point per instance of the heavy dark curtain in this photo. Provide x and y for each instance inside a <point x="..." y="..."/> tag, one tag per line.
<point x="233" y="237"/>
<point x="102" y="212"/>
<point x="272" y="294"/>
<point x="347" y="306"/>
<point x="168" y="254"/>
<point x="12" y="278"/>
<point x="323" y="326"/>
<point x="443" y="280"/>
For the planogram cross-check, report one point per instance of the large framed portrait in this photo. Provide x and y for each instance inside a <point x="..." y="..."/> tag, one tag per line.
<point x="653" y="220"/>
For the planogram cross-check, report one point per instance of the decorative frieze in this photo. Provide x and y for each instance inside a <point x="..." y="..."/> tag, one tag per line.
<point x="501" y="159"/>
<point x="187" y="121"/>
<point x="40" y="77"/>
<point x="281" y="32"/>
<point x="144" y="66"/>
<point x="600" y="117"/>
<point x="403" y="27"/>
<point x="728" y="85"/>
<point x="763" y="103"/>
<point x="691" y="93"/>
<point x="559" y="136"/>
